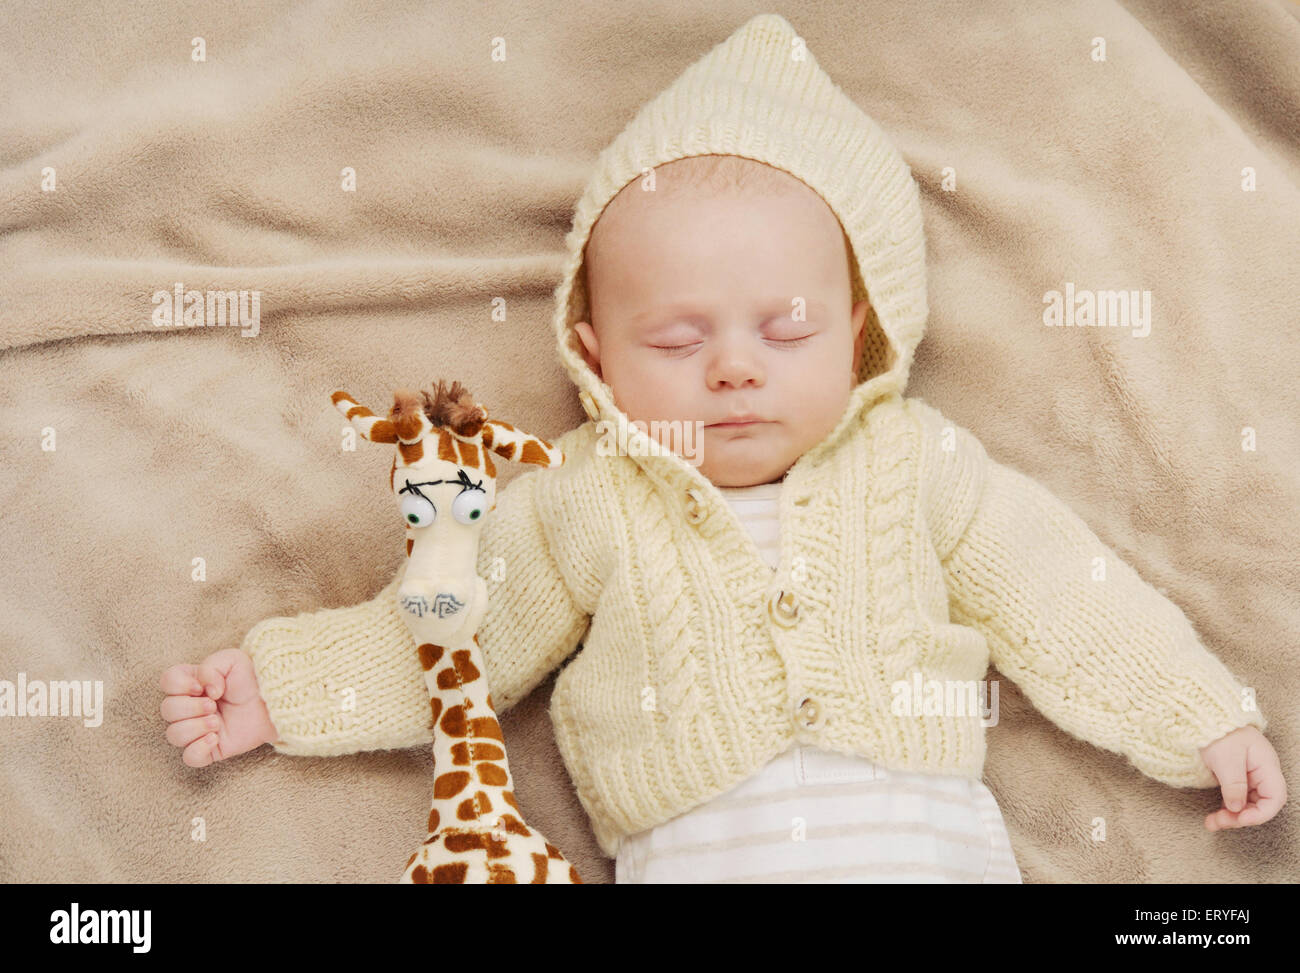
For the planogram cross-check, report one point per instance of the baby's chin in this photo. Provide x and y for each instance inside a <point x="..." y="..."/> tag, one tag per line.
<point x="739" y="461"/>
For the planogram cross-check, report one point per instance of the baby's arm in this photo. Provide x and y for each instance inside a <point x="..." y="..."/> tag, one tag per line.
<point x="342" y="680"/>
<point x="1095" y="648"/>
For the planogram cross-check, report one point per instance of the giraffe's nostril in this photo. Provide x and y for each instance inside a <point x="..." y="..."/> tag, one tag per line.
<point x="444" y="604"/>
<point x="416" y="605"/>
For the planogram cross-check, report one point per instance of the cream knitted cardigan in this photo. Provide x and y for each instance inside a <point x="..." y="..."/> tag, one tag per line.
<point x="900" y="558"/>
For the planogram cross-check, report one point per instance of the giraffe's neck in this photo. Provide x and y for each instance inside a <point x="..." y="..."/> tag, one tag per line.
<point x="472" y="782"/>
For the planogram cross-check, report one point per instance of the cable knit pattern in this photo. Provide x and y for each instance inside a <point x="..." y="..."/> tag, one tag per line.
<point x="906" y="553"/>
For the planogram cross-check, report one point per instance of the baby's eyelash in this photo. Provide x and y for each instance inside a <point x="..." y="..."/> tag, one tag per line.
<point x="791" y="342"/>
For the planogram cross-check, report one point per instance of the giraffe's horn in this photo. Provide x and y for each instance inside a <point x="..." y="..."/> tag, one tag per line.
<point x="517" y="445"/>
<point x="371" y="426"/>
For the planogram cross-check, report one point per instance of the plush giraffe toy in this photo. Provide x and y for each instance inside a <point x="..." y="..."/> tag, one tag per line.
<point x="447" y="489"/>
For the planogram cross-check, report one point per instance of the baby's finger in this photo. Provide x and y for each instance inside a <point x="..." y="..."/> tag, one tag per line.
<point x="1266" y="798"/>
<point x="184" y="707"/>
<point x="1253" y="813"/>
<point x="1235" y="790"/>
<point x="214" y="683"/>
<point x="1221" y="820"/>
<point x="185" y="732"/>
<point x="180" y="680"/>
<point x="201" y="752"/>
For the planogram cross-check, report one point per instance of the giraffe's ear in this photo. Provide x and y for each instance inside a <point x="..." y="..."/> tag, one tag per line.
<point x="541" y="453"/>
<point x="363" y="420"/>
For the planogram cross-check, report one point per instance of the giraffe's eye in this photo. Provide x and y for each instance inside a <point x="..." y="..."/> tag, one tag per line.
<point x="417" y="511"/>
<point x="469" y="506"/>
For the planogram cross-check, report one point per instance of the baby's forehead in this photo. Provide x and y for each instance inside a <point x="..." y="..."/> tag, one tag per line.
<point x="703" y="176"/>
<point x="699" y="177"/>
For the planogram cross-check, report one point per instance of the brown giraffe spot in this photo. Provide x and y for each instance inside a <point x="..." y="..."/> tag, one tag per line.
<point x="505" y="425"/>
<point x="429" y="655"/>
<point x="411" y="859"/>
<point x="450" y="784"/>
<point x="539" y="869"/>
<point x="488" y="751"/>
<point x="489" y="702"/>
<point x="492" y="775"/>
<point x="553" y="851"/>
<point x="509" y="797"/>
<point x="434" y="818"/>
<point x="410" y="543"/>
<point x="421" y="875"/>
<point x="468" y="454"/>
<point x="465" y="669"/>
<point x="500" y="875"/>
<point x="460" y="754"/>
<point x="453" y="721"/>
<point x="447" y="678"/>
<point x="383" y="431"/>
<point x="513" y="825"/>
<point x="489" y="467"/>
<point x="573" y="876"/>
<point x="446" y="451"/>
<point x="484" y="804"/>
<point x="487" y="435"/>
<point x="466" y="810"/>
<point x="463" y="841"/>
<point x="453" y="874"/>
<point x="435" y="707"/>
<point x="354" y="410"/>
<point x="496" y="847"/>
<point x="411" y="452"/>
<point x="533" y="453"/>
<point x="393" y="486"/>
<point x="488" y="727"/>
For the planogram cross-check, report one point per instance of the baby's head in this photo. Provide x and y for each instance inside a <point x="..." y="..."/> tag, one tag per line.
<point x="725" y="290"/>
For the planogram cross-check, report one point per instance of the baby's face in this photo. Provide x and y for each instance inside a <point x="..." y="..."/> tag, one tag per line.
<point x="709" y="303"/>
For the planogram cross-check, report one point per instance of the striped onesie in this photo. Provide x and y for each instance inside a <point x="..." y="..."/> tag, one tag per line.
<point x="811" y="815"/>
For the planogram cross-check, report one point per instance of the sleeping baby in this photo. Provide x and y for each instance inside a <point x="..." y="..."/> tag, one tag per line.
<point x="774" y="582"/>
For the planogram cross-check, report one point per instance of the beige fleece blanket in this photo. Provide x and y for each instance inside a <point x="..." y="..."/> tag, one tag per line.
<point x="133" y="448"/>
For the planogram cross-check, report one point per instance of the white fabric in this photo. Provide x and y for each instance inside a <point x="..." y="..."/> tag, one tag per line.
<point x="814" y="816"/>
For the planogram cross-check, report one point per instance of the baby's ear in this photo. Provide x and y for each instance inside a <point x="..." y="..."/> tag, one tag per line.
<point x="858" y="325"/>
<point x="590" y="346"/>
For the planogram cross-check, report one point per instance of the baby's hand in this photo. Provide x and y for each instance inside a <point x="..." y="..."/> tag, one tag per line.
<point x="1249" y="774"/>
<point x="214" y="709"/>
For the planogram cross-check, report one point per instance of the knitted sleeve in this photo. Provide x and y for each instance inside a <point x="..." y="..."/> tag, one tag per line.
<point x="342" y="680"/>
<point x="1096" y="649"/>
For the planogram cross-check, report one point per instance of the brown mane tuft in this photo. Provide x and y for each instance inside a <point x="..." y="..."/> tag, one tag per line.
<point x="454" y="407"/>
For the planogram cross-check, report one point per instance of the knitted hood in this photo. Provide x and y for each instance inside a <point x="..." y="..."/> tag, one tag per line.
<point x="760" y="94"/>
